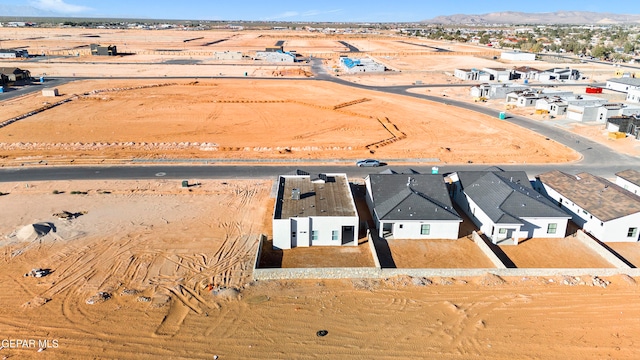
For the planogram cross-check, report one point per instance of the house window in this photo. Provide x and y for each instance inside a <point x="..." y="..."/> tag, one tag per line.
<point x="632" y="232"/>
<point x="334" y="235"/>
<point x="551" y="228"/>
<point x="314" y="235"/>
<point x="425" y="229"/>
<point x="502" y="231"/>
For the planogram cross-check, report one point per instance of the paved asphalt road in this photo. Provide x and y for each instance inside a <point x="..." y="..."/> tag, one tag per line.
<point x="597" y="159"/>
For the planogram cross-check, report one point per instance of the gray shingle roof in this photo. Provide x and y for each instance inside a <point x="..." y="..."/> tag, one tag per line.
<point x="507" y="196"/>
<point x="425" y="198"/>
<point x="626" y="81"/>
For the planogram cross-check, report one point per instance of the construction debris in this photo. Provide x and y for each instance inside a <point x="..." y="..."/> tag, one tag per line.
<point x="66" y="215"/>
<point x="38" y="273"/>
<point x="100" y="297"/>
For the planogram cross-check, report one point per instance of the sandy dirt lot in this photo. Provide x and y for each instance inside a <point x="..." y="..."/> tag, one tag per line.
<point x="629" y="251"/>
<point x="229" y="119"/>
<point x="553" y="253"/>
<point x="461" y="253"/>
<point x="131" y="274"/>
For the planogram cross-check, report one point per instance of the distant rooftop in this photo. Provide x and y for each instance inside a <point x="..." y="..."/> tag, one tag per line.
<point x="630" y="175"/>
<point x="626" y="81"/>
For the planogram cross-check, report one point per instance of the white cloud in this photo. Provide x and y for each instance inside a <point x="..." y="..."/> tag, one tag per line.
<point x="284" y="15"/>
<point x="59" y="6"/>
<point x="292" y="14"/>
<point x="318" y="12"/>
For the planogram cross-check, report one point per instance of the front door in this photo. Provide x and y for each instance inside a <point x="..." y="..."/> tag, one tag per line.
<point x="348" y="234"/>
<point x="387" y="229"/>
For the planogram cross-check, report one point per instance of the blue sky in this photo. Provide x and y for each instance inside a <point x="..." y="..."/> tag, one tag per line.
<point x="299" y="10"/>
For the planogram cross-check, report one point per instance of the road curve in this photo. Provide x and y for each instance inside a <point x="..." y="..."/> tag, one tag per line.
<point x="596" y="158"/>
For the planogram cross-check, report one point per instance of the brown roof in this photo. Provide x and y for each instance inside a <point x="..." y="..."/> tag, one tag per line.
<point x="631" y="176"/>
<point x="526" y="69"/>
<point x="600" y="197"/>
<point x="317" y="198"/>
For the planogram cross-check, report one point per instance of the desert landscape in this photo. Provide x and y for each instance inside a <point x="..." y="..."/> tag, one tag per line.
<point x="146" y="269"/>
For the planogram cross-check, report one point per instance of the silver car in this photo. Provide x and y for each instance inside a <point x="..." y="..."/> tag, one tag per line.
<point x="368" y="163"/>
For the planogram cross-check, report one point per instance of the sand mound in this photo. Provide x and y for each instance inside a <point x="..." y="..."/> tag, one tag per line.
<point x="34" y="231"/>
<point x="35" y="302"/>
<point x="492" y="280"/>
<point x="227" y="294"/>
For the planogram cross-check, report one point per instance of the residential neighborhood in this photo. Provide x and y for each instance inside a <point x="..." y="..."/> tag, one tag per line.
<point x="506" y="207"/>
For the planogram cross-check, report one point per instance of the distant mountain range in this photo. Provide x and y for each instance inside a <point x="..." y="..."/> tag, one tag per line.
<point x="558" y="17"/>
<point x="24" y="11"/>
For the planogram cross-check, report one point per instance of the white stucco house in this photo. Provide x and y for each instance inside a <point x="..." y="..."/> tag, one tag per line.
<point x="526" y="73"/>
<point x="629" y="180"/>
<point x="600" y="207"/>
<point x="517" y="56"/>
<point x="559" y="74"/>
<point x="472" y="74"/>
<point x="498" y="74"/>
<point x="496" y="91"/>
<point x="623" y="84"/>
<point x="554" y="105"/>
<point x="633" y="95"/>
<point x="314" y="212"/>
<point x="629" y="125"/>
<point x="505" y="206"/>
<point x="522" y="98"/>
<point x="500" y="91"/>
<point x="412" y="206"/>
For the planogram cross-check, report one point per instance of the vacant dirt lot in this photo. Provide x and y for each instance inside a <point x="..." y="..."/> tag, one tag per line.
<point x="252" y="119"/>
<point x="461" y="253"/>
<point x="553" y="253"/>
<point x="148" y="269"/>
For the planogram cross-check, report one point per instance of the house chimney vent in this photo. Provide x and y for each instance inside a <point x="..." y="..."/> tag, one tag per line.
<point x="295" y="194"/>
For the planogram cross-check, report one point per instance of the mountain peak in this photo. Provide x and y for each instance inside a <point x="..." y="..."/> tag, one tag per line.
<point x="559" y="17"/>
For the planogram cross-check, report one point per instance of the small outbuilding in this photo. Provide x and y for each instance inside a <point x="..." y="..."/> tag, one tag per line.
<point x="51" y="92"/>
<point x="101" y="50"/>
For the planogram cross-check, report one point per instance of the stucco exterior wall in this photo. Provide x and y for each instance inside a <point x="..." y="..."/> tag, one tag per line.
<point x="406" y="229"/>
<point x="606" y="231"/>
<point x="627" y="185"/>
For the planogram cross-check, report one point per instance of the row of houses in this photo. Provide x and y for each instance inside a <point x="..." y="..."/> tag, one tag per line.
<point x="506" y="206"/>
<point x="561" y="103"/>
<point x="523" y="72"/>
